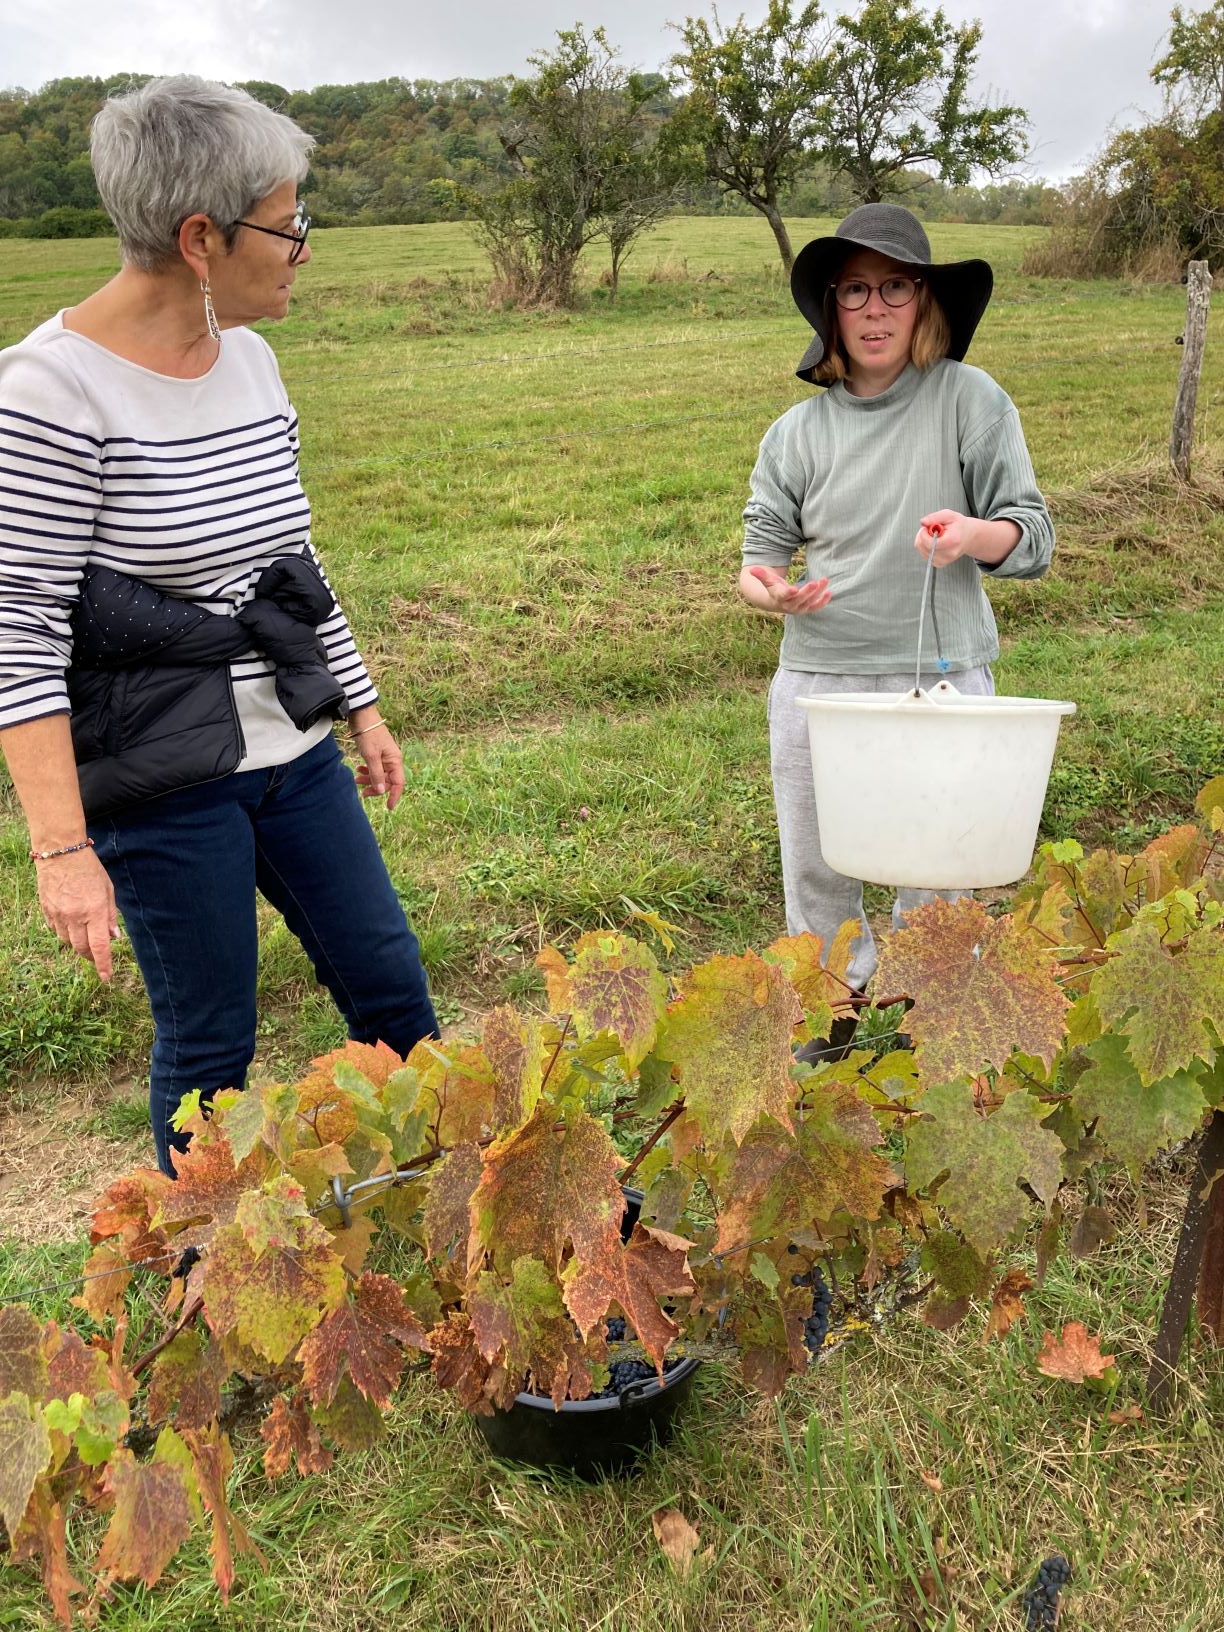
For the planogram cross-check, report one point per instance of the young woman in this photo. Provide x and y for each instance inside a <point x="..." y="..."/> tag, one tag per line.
<point x="907" y="453"/>
<point x="172" y="659"/>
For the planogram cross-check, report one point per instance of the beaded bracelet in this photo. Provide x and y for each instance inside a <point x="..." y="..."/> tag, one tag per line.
<point x="373" y="726"/>
<point x="65" y="850"/>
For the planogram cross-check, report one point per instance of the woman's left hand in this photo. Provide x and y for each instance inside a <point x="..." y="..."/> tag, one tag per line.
<point x="947" y="535"/>
<point x="382" y="770"/>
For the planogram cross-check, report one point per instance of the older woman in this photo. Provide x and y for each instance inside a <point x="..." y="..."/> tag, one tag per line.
<point x="171" y="657"/>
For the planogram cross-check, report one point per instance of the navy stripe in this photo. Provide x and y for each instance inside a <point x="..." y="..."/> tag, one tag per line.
<point x="186" y="458"/>
<point x="49" y="481"/>
<point x="41" y="442"/>
<point x="211" y="531"/>
<point x="185" y="441"/>
<point x="50" y="425"/>
<point x="178" y="490"/>
<point x="109" y="509"/>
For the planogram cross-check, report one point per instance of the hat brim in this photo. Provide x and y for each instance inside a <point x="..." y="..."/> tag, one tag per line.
<point x="962" y="288"/>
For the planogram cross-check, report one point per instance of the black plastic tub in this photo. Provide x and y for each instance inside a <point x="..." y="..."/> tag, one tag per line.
<point x="593" y="1438"/>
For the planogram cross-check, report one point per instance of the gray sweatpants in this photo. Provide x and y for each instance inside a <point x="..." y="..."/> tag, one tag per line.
<point x="818" y="900"/>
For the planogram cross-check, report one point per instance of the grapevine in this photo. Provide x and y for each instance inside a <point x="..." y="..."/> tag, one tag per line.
<point x="1086" y="1023"/>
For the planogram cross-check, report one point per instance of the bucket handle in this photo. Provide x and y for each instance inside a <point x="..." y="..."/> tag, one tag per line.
<point x="936" y="531"/>
<point x="937" y="694"/>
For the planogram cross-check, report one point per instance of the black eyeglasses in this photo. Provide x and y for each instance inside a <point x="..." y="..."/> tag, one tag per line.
<point x="301" y="227"/>
<point x="853" y="293"/>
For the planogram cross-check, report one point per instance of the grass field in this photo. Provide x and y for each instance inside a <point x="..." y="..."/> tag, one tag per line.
<point x="533" y="523"/>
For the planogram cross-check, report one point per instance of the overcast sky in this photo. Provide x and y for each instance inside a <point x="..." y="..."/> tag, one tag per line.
<point x="1078" y="66"/>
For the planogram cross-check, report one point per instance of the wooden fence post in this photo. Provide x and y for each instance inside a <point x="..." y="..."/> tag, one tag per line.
<point x="1198" y="302"/>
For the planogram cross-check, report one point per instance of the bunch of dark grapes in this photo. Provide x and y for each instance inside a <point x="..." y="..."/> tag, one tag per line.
<point x="623" y="1373"/>
<point x="1041" y="1600"/>
<point x="816" y="1326"/>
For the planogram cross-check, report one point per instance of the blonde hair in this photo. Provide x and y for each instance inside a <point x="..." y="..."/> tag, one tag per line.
<point x="930" y="340"/>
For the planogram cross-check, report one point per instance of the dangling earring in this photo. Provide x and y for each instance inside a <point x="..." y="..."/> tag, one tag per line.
<point x="210" y="316"/>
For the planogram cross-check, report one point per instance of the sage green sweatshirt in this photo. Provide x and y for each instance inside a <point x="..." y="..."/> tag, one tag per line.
<point x="848" y="479"/>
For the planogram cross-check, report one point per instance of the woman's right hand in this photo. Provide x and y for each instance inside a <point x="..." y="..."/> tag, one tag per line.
<point x="78" y="903"/>
<point x="776" y="594"/>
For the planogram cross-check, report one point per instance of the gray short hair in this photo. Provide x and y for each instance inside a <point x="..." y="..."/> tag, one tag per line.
<point x="179" y="145"/>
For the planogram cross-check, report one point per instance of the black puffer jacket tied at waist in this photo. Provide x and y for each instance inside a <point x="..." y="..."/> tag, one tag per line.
<point x="152" y="700"/>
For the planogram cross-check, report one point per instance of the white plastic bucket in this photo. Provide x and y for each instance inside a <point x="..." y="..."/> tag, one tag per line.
<point x="933" y="790"/>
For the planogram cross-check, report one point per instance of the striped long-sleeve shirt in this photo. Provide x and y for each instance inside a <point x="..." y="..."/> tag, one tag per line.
<point x="190" y="485"/>
<point x="850" y="478"/>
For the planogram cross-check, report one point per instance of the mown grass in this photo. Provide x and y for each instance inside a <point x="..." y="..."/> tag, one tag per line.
<point x="533" y="522"/>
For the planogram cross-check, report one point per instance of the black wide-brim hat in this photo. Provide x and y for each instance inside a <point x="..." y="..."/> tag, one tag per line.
<point x="962" y="288"/>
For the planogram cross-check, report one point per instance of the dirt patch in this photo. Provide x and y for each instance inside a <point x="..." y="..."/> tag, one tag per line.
<point x="53" y="1165"/>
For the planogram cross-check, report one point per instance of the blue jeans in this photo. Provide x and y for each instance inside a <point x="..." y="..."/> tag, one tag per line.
<point x="186" y="867"/>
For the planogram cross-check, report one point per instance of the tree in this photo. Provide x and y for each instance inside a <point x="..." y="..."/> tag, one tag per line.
<point x="897" y="96"/>
<point x="754" y="97"/>
<point x="1194" y="62"/>
<point x="577" y="145"/>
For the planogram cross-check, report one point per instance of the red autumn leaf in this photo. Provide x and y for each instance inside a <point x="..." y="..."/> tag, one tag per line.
<point x="365" y="1337"/>
<point x="544" y="1187"/>
<point x="126" y="1209"/>
<point x="288" y="1431"/>
<point x="376" y="1061"/>
<point x="448" y="1207"/>
<point x="212" y="1462"/>
<point x="521" y="1327"/>
<point x="186" y="1381"/>
<point x="650" y="1269"/>
<point x="514" y="1048"/>
<point x="982" y="988"/>
<point x="73" y="1367"/>
<point x="44" y="1535"/>
<point x="459" y="1365"/>
<point x="1073" y="1357"/>
<point x="151" y="1518"/>
<point x="614" y="986"/>
<point x="208" y="1188"/>
<point x="729" y="1038"/>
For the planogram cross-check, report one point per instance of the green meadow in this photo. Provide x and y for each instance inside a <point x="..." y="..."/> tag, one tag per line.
<point x="532" y="521"/>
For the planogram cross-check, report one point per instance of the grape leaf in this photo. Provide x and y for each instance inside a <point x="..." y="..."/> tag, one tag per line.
<point x="822" y="983"/>
<point x="1173" y="861"/>
<point x="521" y="1324"/>
<point x="209" y="1187"/>
<point x="151" y="1519"/>
<point x="1094" y="1228"/>
<point x="364" y="1337"/>
<point x="784" y="1183"/>
<point x="652" y="1266"/>
<point x="1073" y="1357"/>
<point x="1161" y="999"/>
<point x="987" y="1157"/>
<point x="960" y="1271"/>
<point x="43" y="1535"/>
<point x="256" y="1116"/>
<point x="25" y="1452"/>
<point x="729" y="1038"/>
<point x="457" y="1090"/>
<point x="212" y="1461"/>
<point x="23" y="1366"/>
<point x="614" y="985"/>
<point x="514" y="1048"/>
<point x="351" y="1421"/>
<point x="1135" y="1119"/>
<point x="353" y="1242"/>
<point x="459" y="1365"/>
<point x="545" y="1186"/>
<point x="104" y="1281"/>
<point x="982" y="988"/>
<point x="288" y="1431"/>
<point x="448" y="1208"/>
<point x="126" y="1209"/>
<point x="269" y="1275"/>
<point x="678" y="1539"/>
<point x="186" y="1379"/>
<point x="73" y="1367"/>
